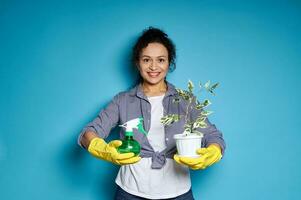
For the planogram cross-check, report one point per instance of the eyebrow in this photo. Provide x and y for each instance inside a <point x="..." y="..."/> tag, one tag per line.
<point x="150" y="56"/>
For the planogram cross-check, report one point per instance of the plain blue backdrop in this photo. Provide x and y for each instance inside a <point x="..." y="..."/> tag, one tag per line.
<point x="62" y="62"/>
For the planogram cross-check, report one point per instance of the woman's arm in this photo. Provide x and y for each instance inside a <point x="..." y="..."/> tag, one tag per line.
<point x="102" y="124"/>
<point x="87" y="137"/>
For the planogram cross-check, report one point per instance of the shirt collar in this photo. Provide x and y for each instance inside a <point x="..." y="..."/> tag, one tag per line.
<point x="138" y="91"/>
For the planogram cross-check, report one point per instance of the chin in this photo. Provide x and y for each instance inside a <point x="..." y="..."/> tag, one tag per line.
<point x="154" y="82"/>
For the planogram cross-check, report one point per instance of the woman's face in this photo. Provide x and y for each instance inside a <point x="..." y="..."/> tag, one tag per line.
<point x="153" y="63"/>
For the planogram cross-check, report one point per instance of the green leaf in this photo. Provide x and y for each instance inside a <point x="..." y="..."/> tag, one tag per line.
<point x="181" y="93"/>
<point x="169" y="119"/>
<point x="188" y="127"/>
<point x="210" y="88"/>
<point x="201" y="118"/>
<point x="186" y="98"/>
<point x="199" y="124"/>
<point x="203" y="125"/>
<point x="190" y="86"/>
<point x="206" y="113"/>
<point x="207" y="85"/>
<point x="214" y="86"/>
<point x="176" y="100"/>
<point x="184" y="94"/>
<point x="179" y="90"/>
<point x="205" y="103"/>
<point x="198" y="105"/>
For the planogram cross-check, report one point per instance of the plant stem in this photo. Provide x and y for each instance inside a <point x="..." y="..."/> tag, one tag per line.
<point x="187" y="108"/>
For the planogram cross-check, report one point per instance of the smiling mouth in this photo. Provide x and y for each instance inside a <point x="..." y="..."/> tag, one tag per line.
<point x="153" y="74"/>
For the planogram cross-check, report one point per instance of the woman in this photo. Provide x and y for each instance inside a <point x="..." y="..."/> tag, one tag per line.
<point x="157" y="173"/>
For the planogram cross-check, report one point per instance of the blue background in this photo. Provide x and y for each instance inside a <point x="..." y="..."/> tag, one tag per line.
<point x="62" y="61"/>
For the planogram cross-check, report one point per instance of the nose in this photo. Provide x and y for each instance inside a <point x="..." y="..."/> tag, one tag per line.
<point x="153" y="66"/>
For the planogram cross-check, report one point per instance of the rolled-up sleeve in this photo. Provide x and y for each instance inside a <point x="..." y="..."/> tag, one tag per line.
<point x="105" y="120"/>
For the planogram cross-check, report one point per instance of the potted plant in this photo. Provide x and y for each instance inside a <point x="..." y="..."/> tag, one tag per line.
<point x="190" y="140"/>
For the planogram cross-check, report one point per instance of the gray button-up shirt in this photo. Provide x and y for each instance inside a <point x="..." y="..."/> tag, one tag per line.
<point x="132" y="104"/>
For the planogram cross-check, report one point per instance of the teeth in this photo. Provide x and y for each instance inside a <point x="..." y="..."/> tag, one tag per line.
<point x="154" y="73"/>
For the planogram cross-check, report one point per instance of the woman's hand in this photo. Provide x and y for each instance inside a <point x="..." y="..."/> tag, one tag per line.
<point x="208" y="156"/>
<point x="100" y="149"/>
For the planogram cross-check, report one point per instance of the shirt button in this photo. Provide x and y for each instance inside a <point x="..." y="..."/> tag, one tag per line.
<point x="166" y="139"/>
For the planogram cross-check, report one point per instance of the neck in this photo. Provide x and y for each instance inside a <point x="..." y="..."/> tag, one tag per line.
<point x="154" y="90"/>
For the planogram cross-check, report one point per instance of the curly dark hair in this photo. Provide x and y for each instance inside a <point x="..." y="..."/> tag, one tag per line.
<point x="151" y="35"/>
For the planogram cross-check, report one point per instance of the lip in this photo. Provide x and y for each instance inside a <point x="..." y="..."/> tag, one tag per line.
<point x="153" y="74"/>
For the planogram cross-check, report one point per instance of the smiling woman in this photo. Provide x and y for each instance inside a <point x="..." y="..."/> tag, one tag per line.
<point x="155" y="173"/>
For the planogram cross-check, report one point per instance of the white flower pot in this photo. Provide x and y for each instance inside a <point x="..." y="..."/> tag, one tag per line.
<point x="188" y="144"/>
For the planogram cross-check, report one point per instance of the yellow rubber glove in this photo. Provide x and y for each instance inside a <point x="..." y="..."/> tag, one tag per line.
<point x="210" y="155"/>
<point x="100" y="149"/>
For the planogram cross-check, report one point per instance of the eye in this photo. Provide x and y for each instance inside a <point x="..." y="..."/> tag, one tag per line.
<point x="145" y="60"/>
<point x="161" y="60"/>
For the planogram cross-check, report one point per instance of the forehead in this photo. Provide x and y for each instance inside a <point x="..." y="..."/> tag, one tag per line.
<point x="154" y="50"/>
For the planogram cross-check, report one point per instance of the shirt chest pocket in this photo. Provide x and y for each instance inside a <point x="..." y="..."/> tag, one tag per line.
<point x="129" y="111"/>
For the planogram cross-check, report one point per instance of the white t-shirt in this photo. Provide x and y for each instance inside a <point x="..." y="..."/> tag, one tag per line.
<point x="141" y="180"/>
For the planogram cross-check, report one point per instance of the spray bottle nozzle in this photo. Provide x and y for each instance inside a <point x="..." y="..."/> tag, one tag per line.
<point x="134" y="123"/>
